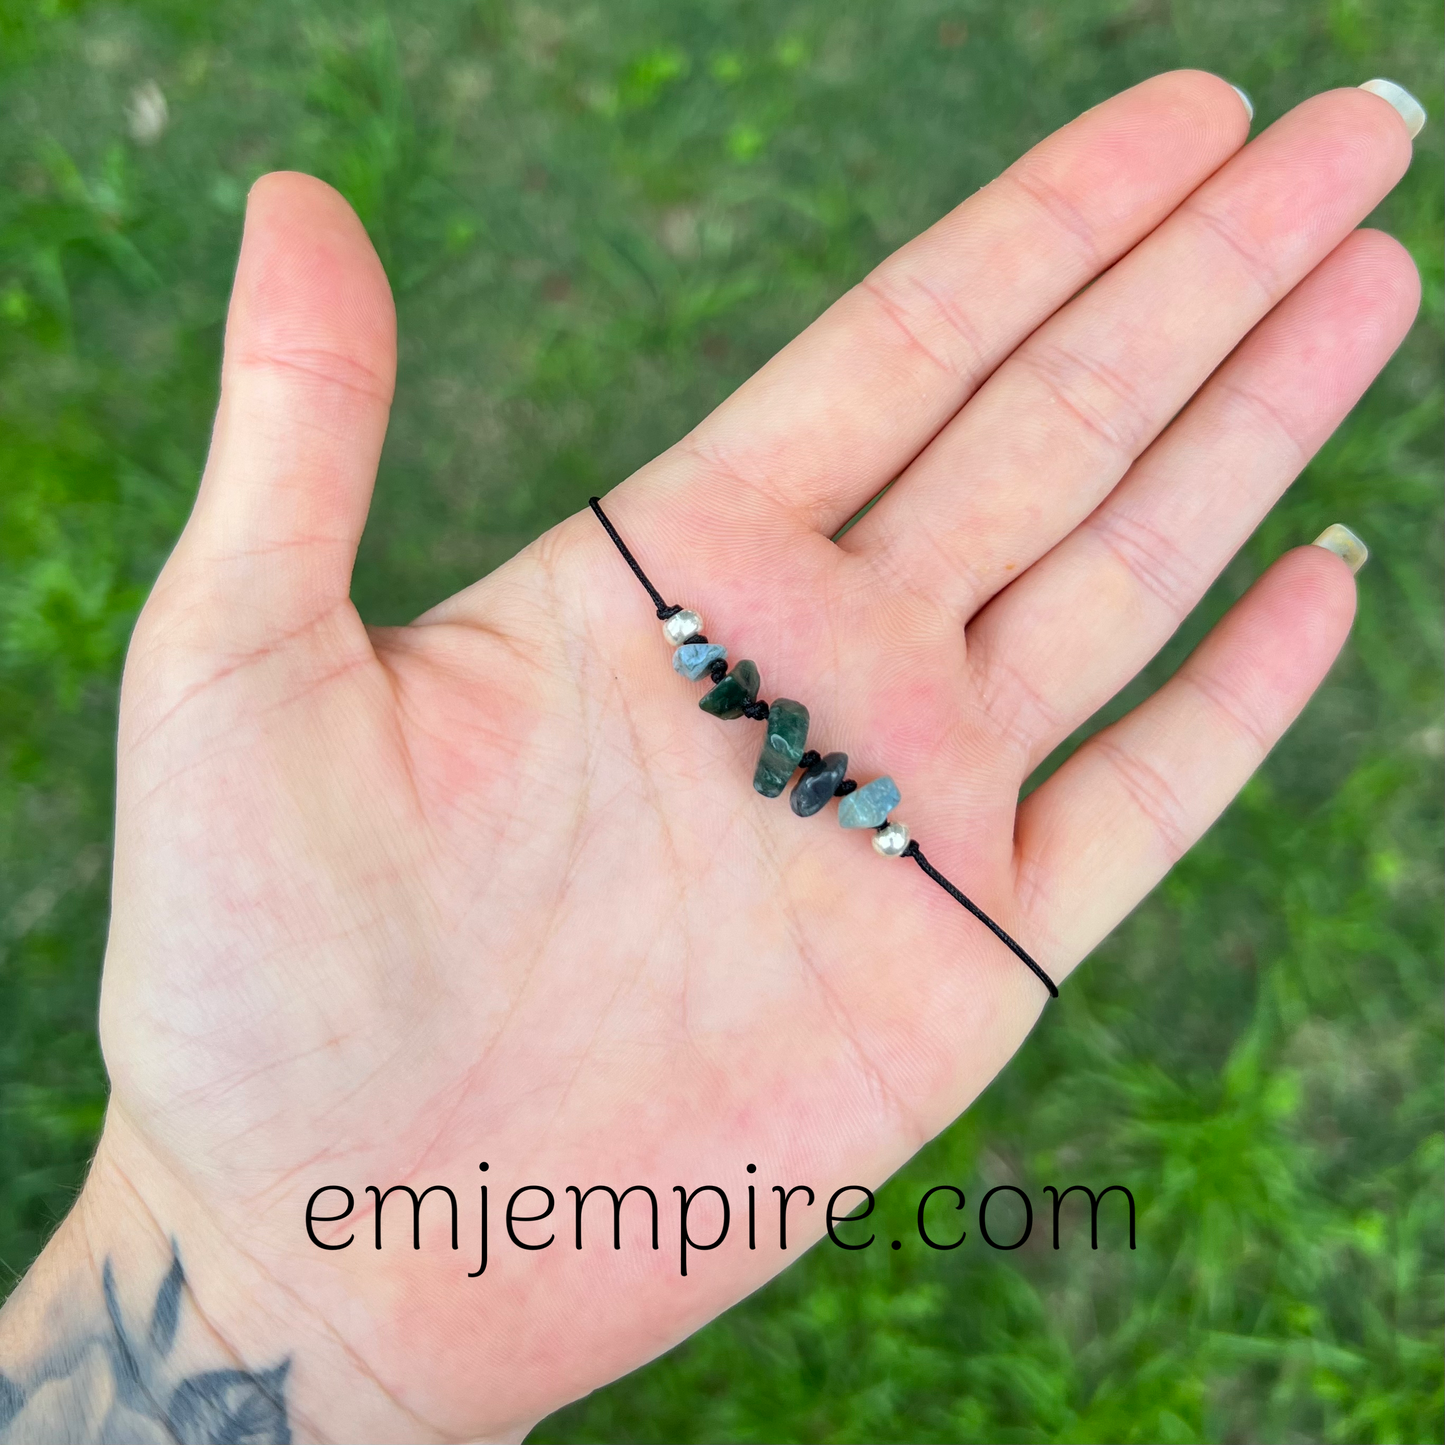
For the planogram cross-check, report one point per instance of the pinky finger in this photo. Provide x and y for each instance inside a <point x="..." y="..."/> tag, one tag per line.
<point x="1100" y="833"/>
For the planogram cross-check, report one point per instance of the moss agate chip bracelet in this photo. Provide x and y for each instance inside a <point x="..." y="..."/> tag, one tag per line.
<point x="734" y="693"/>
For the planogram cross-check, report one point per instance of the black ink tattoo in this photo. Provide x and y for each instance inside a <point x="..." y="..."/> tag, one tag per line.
<point x="114" y="1385"/>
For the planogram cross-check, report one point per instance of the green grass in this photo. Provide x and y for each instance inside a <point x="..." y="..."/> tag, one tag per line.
<point x="599" y="219"/>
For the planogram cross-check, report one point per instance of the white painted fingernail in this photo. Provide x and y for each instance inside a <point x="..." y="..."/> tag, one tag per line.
<point x="1248" y="103"/>
<point x="1345" y="545"/>
<point x="1411" y="111"/>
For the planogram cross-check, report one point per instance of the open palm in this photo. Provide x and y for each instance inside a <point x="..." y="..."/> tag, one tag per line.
<point x="392" y="902"/>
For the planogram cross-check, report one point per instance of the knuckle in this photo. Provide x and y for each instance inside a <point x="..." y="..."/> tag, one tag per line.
<point x="1231" y="706"/>
<point x="321" y="367"/>
<point x="1151" y="558"/>
<point x="929" y="323"/>
<point x="1097" y="396"/>
<point x="1152" y="794"/>
<point x="1251" y="257"/>
<point x="1058" y="209"/>
<point x="1260" y="413"/>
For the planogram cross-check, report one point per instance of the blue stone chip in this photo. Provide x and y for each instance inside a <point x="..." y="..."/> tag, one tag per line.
<point x="870" y="805"/>
<point x="693" y="659"/>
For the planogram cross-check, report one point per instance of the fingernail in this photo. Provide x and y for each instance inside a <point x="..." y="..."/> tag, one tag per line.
<point x="1411" y="111"/>
<point x="1248" y="103"/>
<point x="1345" y="545"/>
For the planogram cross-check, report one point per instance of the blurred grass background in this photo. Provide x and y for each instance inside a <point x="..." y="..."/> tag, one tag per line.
<point x="598" y="219"/>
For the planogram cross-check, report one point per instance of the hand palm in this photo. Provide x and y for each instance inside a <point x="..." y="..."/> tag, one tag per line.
<point x="491" y="887"/>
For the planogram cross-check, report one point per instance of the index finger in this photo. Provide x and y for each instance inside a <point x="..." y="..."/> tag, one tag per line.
<point x="843" y="408"/>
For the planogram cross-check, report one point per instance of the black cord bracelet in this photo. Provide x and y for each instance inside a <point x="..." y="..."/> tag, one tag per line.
<point x="734" y="693"/>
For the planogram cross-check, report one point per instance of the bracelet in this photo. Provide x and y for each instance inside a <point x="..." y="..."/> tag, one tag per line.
<point x="734" y="693"/>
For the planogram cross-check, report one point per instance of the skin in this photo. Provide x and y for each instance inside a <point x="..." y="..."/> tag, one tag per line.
<point x="392" y="901"/>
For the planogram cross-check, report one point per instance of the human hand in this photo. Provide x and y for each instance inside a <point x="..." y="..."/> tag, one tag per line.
<point x="389" y="902"/>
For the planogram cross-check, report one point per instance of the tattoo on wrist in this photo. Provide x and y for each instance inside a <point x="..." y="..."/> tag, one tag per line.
<point x="115" y="1382"/>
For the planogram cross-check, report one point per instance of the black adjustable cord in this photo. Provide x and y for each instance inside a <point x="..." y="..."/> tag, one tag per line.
<point x="664" y="611"/>
<point x="916" y="853"/>
<point x="759" y="710"/>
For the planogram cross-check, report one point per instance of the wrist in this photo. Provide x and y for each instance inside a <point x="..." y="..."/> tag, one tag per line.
<point x="142" y="1319"/>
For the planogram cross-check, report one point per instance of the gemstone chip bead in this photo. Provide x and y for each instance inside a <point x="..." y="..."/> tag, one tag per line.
<point x="812" y="791"/>
<point x="870" y="805"/>
<point x="693" y="659"/>
<point x="785" y="735"/>
<point x="729" y="697"/>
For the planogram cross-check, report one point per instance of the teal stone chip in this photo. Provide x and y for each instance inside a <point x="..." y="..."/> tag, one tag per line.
<point x="784" y="738"/>
<point x="734" y="692"/>
<point x="693" y="659"/>
<point x="870" y="805"/>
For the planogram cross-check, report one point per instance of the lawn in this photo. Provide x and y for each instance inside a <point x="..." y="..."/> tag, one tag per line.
<point x="598" y="219"/>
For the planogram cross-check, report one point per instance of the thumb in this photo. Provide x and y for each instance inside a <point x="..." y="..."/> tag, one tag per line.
<point x="306" y="387"/>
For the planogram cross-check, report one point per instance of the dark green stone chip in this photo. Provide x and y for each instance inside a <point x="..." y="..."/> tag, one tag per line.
<point x="785" y="735"/>
<point x="734" y="692"/>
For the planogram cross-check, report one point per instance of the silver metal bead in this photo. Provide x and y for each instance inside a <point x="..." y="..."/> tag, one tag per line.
<point x="890" y="839"/>
<point x="681" y="626"/>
